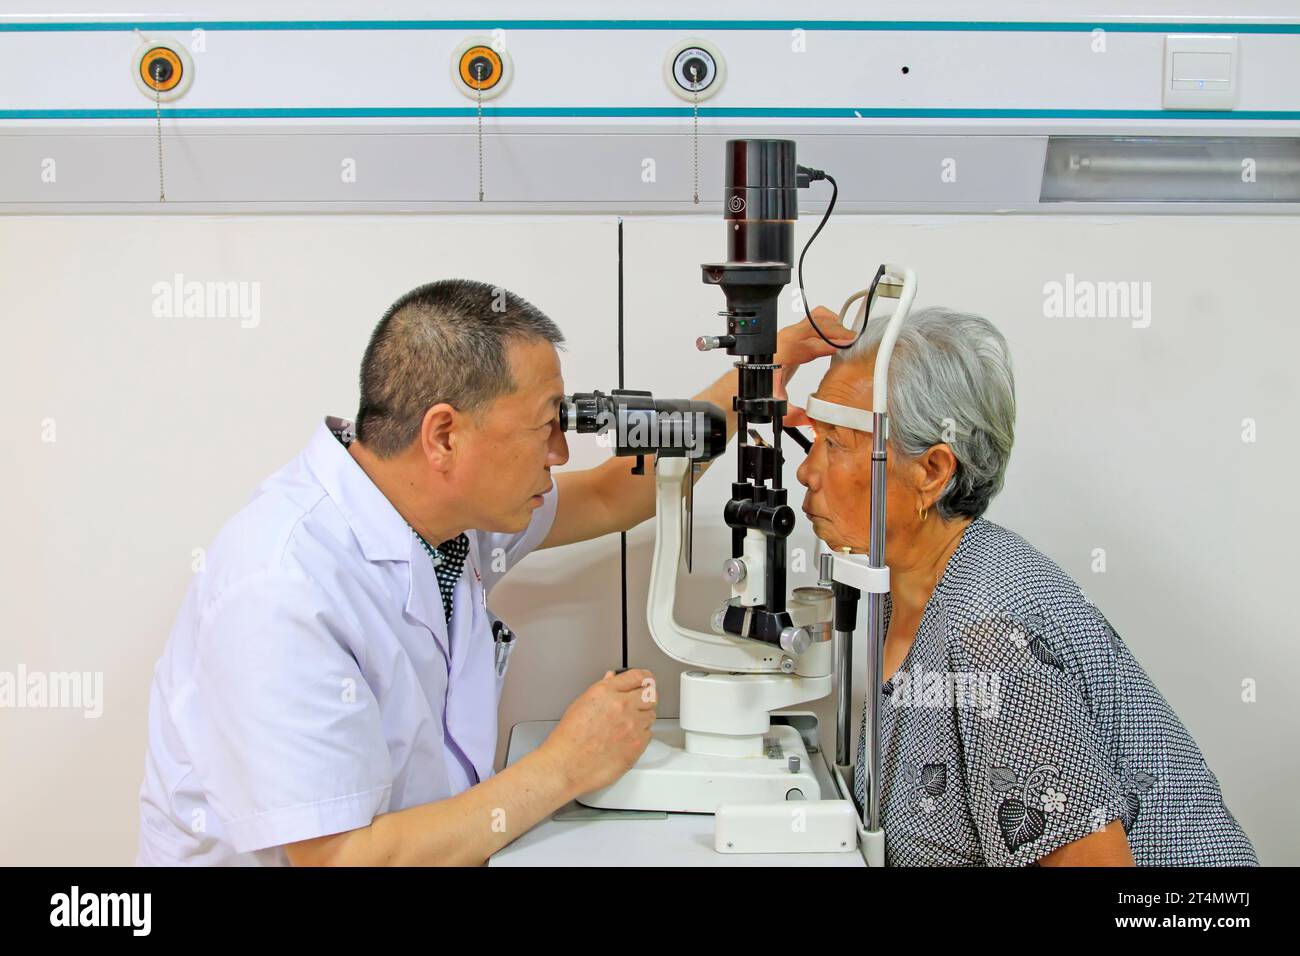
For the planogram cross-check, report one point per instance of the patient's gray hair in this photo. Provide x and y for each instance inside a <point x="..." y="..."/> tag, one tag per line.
<point x="950" y="381"/>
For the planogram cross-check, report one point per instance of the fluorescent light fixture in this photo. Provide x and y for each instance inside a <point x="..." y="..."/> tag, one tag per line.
<point x="1171" y="169"/>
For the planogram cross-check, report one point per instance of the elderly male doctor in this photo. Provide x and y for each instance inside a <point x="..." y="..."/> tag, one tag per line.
<point x="329" y="692"/>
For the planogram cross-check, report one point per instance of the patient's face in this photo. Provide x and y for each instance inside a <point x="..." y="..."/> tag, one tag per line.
<point x="837" y="472"/>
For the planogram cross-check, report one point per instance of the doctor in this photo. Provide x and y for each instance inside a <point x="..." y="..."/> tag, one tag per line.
<point x="329" y="692"/>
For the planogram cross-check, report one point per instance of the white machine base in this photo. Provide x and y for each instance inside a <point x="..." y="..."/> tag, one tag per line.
<point x="794" y="826"/>
<point x="668" y="777"/>
<point x="871" y="843"/>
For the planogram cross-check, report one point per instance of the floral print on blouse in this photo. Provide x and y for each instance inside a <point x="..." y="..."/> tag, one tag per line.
<point x="1019" y="722"/>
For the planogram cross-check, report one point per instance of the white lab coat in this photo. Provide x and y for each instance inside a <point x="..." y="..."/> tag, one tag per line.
<point x="310" y="682"/>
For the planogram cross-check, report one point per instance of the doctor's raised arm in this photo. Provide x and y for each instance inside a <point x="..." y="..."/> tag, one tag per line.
<point x="611" y="498"/>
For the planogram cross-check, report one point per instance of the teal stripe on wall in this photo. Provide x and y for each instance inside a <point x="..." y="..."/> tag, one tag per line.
<point x="988" y="26"/>
<point x="598" y="112"/>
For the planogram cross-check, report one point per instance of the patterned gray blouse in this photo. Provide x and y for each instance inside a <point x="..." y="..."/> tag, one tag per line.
<point x="1019" y="722"/>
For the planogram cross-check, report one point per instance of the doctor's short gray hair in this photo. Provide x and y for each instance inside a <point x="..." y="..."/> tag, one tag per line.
<point x="442" y="342"/>
<point x="950" y="381"/>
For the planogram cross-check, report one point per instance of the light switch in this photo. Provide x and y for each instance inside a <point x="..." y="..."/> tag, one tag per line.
<point x="1200" y="72"/>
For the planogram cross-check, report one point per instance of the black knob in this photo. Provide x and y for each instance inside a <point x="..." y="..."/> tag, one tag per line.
<point x="160" y="70"/>
<point x="696" y="71"/>
<point x="481" y="69"/>
<point x="783" y="520"/>
<point x="770" y="519"/>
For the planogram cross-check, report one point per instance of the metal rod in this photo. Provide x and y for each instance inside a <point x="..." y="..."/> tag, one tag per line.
<point x="622" y="536"/>
<point x="844" y="700"/>
<point x="875" y="621"/>
<point x="776" y="448"/>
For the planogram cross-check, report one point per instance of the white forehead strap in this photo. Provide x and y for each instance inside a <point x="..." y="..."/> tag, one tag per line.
<point x="845" y="416"/>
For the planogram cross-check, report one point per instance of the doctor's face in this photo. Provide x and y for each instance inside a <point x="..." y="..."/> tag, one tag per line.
<point x="509" y="451"/>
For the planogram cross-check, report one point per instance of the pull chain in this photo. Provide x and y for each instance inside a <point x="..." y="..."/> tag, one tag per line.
<point x="695" y="138"/>
<point x="478" y="69"/>
<point x="157" y="105"/>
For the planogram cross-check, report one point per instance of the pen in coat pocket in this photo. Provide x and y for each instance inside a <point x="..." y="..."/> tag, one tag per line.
<point x="504" y="641"/>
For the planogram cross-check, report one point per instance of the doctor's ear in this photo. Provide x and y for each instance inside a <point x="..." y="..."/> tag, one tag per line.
<point x="437" y="435"/>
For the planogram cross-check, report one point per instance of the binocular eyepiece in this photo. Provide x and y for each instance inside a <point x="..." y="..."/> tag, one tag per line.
<point x="641" y="424"/>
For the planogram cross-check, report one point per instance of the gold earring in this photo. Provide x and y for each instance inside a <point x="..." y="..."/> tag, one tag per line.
<point x="922" y="513"/>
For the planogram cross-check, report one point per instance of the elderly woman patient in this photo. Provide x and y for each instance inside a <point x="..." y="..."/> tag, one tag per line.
<point x="1016" y="726"/>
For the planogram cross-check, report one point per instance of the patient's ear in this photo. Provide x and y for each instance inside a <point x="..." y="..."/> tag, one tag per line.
<point x="935" y="467"/>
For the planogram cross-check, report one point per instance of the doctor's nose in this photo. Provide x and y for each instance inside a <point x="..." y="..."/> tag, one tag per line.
<point x="558" y="451"/>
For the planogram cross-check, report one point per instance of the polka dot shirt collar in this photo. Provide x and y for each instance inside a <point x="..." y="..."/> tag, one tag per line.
<point x="448" y="563"/>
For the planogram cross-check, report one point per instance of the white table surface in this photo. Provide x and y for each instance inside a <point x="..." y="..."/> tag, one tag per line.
<point x="680" y="839"/>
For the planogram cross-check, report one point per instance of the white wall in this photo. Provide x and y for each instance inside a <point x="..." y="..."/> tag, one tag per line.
<point x="1129" y="440"/>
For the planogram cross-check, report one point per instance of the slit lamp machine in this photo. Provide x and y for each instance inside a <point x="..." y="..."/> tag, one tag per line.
<point x="769" y="648"/>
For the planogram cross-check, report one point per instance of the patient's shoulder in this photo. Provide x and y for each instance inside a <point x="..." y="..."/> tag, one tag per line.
<point x="1005" y="604"/>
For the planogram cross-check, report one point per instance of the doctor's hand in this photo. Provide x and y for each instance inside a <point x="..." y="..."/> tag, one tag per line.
<point x="604" y="731"/>
<point x="799" y="343"/>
